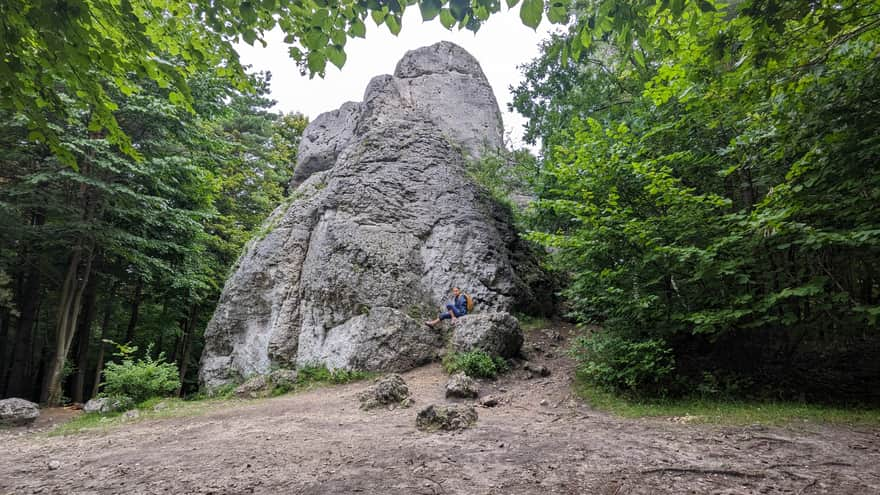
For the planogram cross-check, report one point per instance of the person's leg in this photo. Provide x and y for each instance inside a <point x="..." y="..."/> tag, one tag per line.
<point x="440" y="317"/>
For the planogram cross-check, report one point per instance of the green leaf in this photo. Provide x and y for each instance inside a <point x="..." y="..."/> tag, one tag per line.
<point x="531" y="13"/>
<point x="316" y="62"/>
<point x="430" y="9"/>
<point x="706" y="6"/>
<point x="358" y="29"/>
<point x="336" y="55"/>
<point x="393" y="23"/>
<point x="558" y="13"/>
<point x="378" y="17"/>
<point x="459" y="9"/>
<point x="512" y="3"/>
<point x="446" y="18"/>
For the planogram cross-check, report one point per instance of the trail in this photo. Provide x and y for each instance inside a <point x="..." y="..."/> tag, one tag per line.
<point x="539" y="439"/>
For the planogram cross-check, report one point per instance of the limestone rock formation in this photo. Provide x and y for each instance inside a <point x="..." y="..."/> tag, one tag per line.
<point x="382" y="222"/>
<point x="390" y="390"/>
<point x="496" y="333"/>
<point x="18" y="412"/>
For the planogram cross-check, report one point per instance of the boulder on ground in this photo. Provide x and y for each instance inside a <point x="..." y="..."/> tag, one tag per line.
<point x="283" y="378"/>
<point x="536" y="369"/>
<point x="104" y="405"/>
<point x="461" y="386"/>
<point x="446" y="417"/>
<point x="18" y="412"/>
<point x="390" y="389"/>
<point x="497" y="334"/>
<point x="253" y="387"/>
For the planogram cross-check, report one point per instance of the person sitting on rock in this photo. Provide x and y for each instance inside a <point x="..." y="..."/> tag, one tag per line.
<point x="455" y="309"/>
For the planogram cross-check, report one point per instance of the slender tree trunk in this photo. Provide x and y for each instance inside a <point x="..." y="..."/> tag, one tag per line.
<point x="135" y="310"/>
<point x="105" y="323"/>
<point x="186" y="342"/>
<point x="70" y="304"/>
<point x="84" y="337"/>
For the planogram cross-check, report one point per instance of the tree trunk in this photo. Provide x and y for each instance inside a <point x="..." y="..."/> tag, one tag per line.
<point x="69" y="306"/>
<point x="186" y="341"/>
<point x="84" y="337"/>
<point x="135" y="309"/>
<point x="105" y="322"/>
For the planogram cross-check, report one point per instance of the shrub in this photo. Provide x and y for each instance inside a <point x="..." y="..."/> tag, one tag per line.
<point x="620" y="364"/>
<point x="142" y="379"/>
<point x="476" y="364"/>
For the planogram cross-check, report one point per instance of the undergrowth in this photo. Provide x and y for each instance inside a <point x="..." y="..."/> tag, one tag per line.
<point x="476" y="364"/>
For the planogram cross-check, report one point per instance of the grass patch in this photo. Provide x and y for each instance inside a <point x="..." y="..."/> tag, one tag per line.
<point x="173" y="408"/>
<point x="476" y="364"/>
<point x="726" y="412"/>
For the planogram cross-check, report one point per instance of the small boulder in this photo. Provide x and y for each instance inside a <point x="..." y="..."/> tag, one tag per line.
<point x="497" y="334"/>
<point x="253" y="387"/>
<point x="536" y="369"/>
<point x="283" y="378"/>
<point x="53" y="465"/>
<point x="489" y="401"/>
<point x="446" y="417"/>
<point x="104" y="405"/>
<point x="390" y="390"/>
<point x="18" y="412"/>
<point x="132" y="414"/>
<point x="462" y="386"/>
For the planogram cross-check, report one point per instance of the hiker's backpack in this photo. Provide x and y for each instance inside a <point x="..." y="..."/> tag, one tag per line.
<point x="470" y="302"/>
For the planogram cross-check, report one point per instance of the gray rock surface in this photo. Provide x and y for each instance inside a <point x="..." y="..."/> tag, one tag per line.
<point x="496" y="333"/>
<point x="18" y="412"/>
<point x="254" y="387"/>
<point x="446" y="417"/>
<point x="383" y="221"/>
<point x="104" y="405"/>
<point x="461" y="386"/>
<point x="391" y="389"/>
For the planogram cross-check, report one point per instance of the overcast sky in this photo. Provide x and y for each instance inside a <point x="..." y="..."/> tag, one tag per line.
<point x="500" y="46"/>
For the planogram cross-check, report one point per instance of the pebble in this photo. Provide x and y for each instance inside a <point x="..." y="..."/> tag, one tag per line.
<point x="53" y="465"/>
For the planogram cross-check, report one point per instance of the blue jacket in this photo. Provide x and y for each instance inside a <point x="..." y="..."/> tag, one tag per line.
<point x="460" y="304"/>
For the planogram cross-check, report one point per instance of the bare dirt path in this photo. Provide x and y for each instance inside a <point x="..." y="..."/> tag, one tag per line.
<point x="540" y="439"/>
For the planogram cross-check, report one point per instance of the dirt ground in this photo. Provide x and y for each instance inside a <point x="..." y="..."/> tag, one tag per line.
<point x="539" y="439"/>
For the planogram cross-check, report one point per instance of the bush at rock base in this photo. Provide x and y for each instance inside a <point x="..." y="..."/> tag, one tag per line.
<point x="140" y="379"/>
<point x="476" y="364"/>
<point x="619" y="364"/>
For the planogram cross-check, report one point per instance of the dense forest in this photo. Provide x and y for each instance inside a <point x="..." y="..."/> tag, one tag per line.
<point x="707" y="186"/>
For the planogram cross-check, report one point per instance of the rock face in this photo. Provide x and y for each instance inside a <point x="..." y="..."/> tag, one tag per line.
<point x="383" y="221"/>
<point x="18" y="412"/>
<point x="106" y="405"/>
<point x="495" y="333"/>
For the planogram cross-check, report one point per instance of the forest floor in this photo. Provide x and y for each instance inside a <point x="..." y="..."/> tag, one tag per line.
<point x="541" y="438"/>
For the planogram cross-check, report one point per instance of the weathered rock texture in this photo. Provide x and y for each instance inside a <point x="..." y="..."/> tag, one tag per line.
<point x="496" y="333"/>
<point x="384" y="220"/>
<point x="390" y="390"/>
<point x="18" y="412"/>
<point x="447" y="417"/>
<point x="461" y="386"/>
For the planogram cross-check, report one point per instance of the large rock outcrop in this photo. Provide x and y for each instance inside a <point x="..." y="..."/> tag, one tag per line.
<point x="383" y="221"/>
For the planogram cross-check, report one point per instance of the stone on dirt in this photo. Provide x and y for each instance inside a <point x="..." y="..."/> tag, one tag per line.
<point x="461" y="386"/>
<point x="496" y="333"/>
<point x="381" y="212"/>
<point x="536" y="369"/>
<point x="104" y="405"/>
<point x="489" y="401"/>
<point x="18" y="412"/>
<point x="446" y="417"/>
<point x="389" y="390"/>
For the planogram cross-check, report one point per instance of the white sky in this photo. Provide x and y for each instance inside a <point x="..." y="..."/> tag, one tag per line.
<point x="501" y="44"/>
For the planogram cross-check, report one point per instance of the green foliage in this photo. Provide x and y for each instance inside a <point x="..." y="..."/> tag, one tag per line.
<point x="140" y="379"/>
<point x="622" y="365"/>
<point x="476" y="364"/>
<point x="713" y="185"/>
<point x="317" y="374"/>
